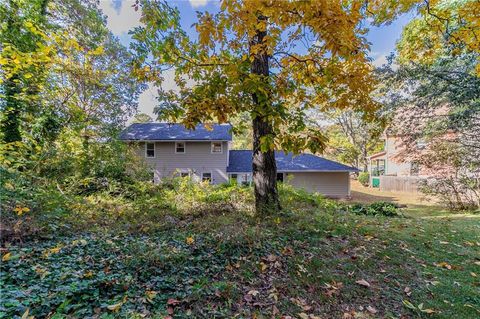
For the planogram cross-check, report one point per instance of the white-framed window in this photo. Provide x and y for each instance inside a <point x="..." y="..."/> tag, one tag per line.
<point x="245" y="179"/>
<point x="183" y="172"/>
<point x="150" y="150"/>
<point x="179" y="147"/>
<point x="207" y="177"/>
<point x="217" y="147"/>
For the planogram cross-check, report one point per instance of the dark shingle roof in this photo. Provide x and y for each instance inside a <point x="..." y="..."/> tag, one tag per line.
<point x="167" y="132"/>
<point x="240" y="161"/>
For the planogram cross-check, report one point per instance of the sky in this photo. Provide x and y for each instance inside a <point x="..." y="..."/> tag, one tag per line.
<point x="121" y="17"/>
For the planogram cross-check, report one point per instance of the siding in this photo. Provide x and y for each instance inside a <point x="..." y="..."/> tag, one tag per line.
<point x="330" y="184"/>
<point x="197" y="158"/>
<point x="394" y="166"/>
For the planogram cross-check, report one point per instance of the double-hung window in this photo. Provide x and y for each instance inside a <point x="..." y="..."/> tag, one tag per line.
<point x="217" y="148"/>
<point x="179" y="147"/>
<point x="207" y="177"/>
<point x="150" y="150"/>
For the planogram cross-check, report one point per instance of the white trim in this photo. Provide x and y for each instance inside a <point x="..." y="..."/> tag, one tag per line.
<point x="181" y="171"/>
<point x="154" y="151"/>
<point x="184" y="148"/>
<point x="211" y="176"/>
<point x="211" y="148"/>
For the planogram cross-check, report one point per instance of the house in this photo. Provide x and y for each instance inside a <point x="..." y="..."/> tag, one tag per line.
<point x="206" y="155"/>
<point x="397" y="166"/>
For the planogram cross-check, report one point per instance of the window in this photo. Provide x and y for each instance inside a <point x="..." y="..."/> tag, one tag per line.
<point x="150" y="150"/>
<point x="279" y="177"/>
<point x="378" y="167"/>
<point x="180" y="147"/>
<point x="207" y="177"/>
<point x="245" y="179"/>
<point x="217" y="147"/>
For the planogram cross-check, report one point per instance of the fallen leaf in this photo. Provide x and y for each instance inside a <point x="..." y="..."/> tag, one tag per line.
<point x="473" y="274"/>
<point x="253" y="292"/>
<point x="172" y="302"/>
<point x="444" y="265"/>
<point x="263" y="266"/>
<point x="150" y="294"/>
<point x="371" y="309"/>
<point x="115" y="307"/>
<point x="407" y="291"/>
<point x="6" y="257"/>
<point x="363" y="282"/>
<point x="190" y="240"/>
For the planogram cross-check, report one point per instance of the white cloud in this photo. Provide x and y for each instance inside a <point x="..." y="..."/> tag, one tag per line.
<point x="198" y="3"/>
<point x="148" y="99"/>
<point x="121" y="16"/>
<point x="380" y="60"/>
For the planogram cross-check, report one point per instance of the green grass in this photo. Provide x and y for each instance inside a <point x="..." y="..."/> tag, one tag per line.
<point x="220" y="263"/>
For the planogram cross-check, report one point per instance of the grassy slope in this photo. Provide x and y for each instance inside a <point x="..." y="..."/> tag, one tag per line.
<point x="304" y="262"/>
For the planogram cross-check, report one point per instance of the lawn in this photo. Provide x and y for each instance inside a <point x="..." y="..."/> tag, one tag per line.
<point x="313" y="260"/>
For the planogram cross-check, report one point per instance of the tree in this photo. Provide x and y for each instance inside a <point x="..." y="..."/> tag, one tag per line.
<point x="142" y="118"/>
<point x="435" y="96"/>
<point x="352" y="138"/>
<point x="62" y="68"/>
<point x="23" y="66"/>
<point x="275" y="60"/>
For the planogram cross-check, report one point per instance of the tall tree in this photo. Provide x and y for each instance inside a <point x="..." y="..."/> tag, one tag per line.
<point x="435" y="93"/>
<point x="275" y="60"/>
<point x="352" y="138"/>
<point x="22" y="70"/>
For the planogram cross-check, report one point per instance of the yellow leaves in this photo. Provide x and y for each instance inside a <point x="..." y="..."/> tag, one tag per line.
<point x="6" y="257"/>
<point x="26" y="314"/>
<point x="444" y="265"/>
<point x="190" y="240"/>
<point x="117" y="306"/>
<point x="263" y="266"/>
<point x="420" y="308"/>
<point x="21" y="210"/>
<point x="98" y="51"/>
<point x="150" y="295"/>
<point x="425" y="39"/>
<point x="54" y="250"/>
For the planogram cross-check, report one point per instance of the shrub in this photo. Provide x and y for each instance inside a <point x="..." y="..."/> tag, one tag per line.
<point x="364" y="178"/>
<point x="374" y="209"/>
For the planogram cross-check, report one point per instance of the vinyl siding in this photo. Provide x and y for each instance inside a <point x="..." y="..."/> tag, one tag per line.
<point x="394" y="166"/>
<point x="197" y="158"/>
<point x="330" y="184"/>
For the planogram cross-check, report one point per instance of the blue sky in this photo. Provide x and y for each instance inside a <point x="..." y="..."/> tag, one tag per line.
<point x="121" y="17"/>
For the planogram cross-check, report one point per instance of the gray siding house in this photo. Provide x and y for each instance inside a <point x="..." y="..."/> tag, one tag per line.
<point x="205" y="155"/>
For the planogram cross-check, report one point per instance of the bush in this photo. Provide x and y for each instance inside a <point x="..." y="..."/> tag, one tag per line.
<point x="364" y="178"/>
<point x="375" y="209"/>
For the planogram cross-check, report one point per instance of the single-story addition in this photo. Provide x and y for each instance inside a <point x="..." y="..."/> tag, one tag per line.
<point x="205" y="155"/>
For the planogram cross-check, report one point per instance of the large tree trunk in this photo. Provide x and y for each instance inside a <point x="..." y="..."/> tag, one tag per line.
<point x="264" y="167"/>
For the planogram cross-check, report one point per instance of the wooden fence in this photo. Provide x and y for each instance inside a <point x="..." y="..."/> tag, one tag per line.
<point x="399" y="183"/>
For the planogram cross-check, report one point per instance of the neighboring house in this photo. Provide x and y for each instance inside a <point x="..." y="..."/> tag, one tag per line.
<point x="205" y="155"/>
<point x="397" y="160"/>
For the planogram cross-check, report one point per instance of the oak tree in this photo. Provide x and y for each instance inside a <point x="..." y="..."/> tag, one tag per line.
<point x="275" y="60"/>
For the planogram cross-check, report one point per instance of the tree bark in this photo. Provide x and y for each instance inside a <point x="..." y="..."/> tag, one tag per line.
<point x="264" y="167"/>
